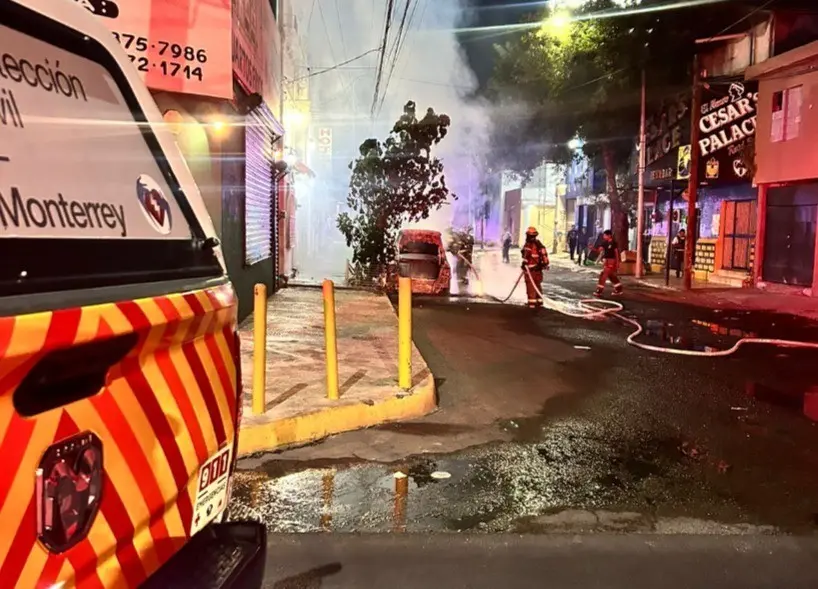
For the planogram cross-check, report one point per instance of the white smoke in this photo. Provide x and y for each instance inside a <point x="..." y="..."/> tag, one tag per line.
<point x="430" y="70"/>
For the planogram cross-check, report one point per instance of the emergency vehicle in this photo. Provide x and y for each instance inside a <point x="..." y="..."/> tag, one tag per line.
<point x="119" y="387"/>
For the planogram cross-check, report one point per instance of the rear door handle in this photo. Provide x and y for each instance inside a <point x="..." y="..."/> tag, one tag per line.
<point x="70" y="374"/>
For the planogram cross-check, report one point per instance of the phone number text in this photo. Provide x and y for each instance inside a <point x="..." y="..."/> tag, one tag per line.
<point x="171" y="69"/>
<point x="132" y="43"/>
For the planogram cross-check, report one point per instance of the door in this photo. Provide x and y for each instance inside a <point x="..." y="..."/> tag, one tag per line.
<point x="739" y="232"/>
<point x="512" y="213"/>
<point x="590" y="223"/>
<point x="789" y="249"/>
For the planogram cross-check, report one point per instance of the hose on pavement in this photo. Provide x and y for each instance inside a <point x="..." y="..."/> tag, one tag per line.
<point x="593" y="308"/>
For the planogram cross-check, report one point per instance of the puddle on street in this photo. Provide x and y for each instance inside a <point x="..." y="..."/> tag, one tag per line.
<point x="719" y="330"/>
<point x="496" y="488"/>
<point x="560" y="462"/>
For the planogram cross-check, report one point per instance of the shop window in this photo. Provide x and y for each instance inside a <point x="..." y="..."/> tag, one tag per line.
<point x="739" y="232"/>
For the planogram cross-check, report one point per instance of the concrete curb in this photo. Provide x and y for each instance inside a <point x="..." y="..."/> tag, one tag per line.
<point x="311" y="427"/>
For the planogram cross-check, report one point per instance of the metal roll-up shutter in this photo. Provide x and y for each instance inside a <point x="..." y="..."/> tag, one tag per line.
<point x="260" y="201"/>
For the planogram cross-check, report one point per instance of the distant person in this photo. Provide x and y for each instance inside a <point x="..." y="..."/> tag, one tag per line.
<point x="535" y="260"/>
<point x="506" y="246"/>
<point x="582" y="245"/>
<point x="609" y="252"/>
<point x="678" y="246"/>
<point x="573" y="240"/>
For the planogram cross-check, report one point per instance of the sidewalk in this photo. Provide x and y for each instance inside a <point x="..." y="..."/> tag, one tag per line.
<point x="298" y="411"/>
<point x="704" y="294"/>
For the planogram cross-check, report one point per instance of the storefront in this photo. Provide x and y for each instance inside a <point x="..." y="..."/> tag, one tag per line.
<point x="787" y="170"/>
<point x="668" y="132"/>
<point x="726" y="199"/>
<point x="790" y="243"/>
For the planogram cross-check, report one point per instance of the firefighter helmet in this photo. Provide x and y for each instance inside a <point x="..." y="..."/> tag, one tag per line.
<point x="532" y="231"/>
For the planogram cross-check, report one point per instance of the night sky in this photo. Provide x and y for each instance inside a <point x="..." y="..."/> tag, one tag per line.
<point x="479" y="46"/>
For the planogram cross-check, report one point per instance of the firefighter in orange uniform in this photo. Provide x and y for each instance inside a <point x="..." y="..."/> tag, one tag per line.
<point x="535" y="260"/>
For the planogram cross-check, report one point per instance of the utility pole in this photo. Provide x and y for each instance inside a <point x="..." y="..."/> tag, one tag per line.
<point x="693" y="181"/>
<point x="640" y="207"/>
<point x="669" y="248"/>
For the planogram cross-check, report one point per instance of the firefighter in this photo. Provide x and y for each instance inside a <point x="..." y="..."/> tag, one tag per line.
<point x="609" y="251"/>
<point x="535" y="260"/>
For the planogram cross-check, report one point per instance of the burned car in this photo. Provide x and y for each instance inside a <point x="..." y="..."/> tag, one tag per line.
<point x="422" y="257"/>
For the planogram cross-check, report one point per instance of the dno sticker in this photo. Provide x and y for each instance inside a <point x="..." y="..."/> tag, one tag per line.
<point x="155" y="206"/>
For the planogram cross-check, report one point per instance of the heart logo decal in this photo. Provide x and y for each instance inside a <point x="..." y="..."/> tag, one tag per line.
<point x="154" y="204"/>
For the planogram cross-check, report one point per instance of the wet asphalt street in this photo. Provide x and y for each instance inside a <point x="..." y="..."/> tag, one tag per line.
<point x="550" y="424"/>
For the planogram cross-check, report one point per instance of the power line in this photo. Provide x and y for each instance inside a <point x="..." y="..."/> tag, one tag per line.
<point x="309" y="19"/>
<point x="341" y="28"/>
<point x="388" y="22"/>
<point x="431" y="83"/>
<point x="329" y="41"/>
<point x="741" y="20"/>
<point x="398" y="47"/>
<point x="721" y="32"/>
<point x="336" y="66"/>
<point x="420" y="25"/>
<point x="351" y="67"/>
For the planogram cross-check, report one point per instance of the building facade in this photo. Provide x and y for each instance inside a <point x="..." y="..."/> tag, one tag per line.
<point x="726" y="201"/>
<point x="586" y="201"/>
<point x="215" y="72"/>
<point x="540" y="202"/>
<point x="786" y="162"/>
<point x="294" y="185"/>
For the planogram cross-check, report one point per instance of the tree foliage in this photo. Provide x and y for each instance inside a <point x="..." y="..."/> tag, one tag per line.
<point x="394" y="182"/>
<point x="579" y="75"/>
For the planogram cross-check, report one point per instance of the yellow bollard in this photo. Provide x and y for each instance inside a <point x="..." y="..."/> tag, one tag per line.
<point x="330" y="340"/>
<point x="405" y="333"/>
<point x="259" y="349"/>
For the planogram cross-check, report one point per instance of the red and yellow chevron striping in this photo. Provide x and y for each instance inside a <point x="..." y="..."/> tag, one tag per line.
<point x="165" y="408"/>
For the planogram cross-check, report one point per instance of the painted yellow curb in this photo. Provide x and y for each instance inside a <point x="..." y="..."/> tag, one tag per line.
<point x="310" y="427"/>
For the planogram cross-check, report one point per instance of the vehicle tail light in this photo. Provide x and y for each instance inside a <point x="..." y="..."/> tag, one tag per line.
<point x="68" y="487"/>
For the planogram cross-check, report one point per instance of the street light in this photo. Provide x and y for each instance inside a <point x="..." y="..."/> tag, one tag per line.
<point x="558" y="24"/>
<point x="294" y="117"/>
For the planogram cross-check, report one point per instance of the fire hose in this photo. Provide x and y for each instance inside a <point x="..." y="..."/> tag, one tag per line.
<point x="593" y="308"/>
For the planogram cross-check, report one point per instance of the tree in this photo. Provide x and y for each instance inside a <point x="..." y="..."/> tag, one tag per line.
<point x="579" y="75"/>
<point x="394" y="182"/>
